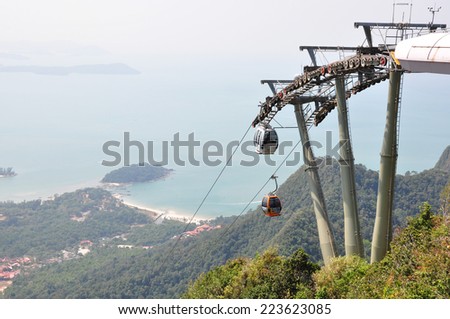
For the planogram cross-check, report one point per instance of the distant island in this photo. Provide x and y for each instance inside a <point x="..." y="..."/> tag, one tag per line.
<point x="7" y="172"/>
<point x="107" y="69"/>
<point x="136" y="174"/>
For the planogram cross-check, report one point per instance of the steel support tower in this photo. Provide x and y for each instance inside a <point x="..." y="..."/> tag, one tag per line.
<point x="382" y="233"/>
<point x="326" y="237"/>
<point x="352" y="232"/>
<point x="328" y="86"/>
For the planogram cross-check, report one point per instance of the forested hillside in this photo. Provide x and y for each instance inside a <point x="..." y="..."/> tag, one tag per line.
<point x="42" y="229"/>
<point x="157" y="265"/>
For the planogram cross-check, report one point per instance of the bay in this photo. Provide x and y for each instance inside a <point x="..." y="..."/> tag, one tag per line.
<point x="53" y="129"/>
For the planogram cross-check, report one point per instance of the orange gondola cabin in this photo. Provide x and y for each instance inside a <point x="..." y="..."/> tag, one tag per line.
<point x="271" y="205"/>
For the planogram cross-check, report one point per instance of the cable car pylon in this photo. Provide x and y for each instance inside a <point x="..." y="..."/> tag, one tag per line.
<point x="368" y="66"/>
<point x="326" y="236"/>
<point x="382" y="232"/>
<point x="352" y="230"/>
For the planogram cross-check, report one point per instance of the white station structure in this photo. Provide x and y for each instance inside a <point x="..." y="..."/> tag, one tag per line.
<point x="425" y="54"/>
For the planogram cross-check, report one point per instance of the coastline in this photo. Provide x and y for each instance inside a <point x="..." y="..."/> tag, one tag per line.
<point x="45" y="194"/>
<point x="159" y="214"/>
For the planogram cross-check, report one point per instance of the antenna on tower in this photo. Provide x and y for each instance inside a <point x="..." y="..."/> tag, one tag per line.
<point x="433" y="11"/>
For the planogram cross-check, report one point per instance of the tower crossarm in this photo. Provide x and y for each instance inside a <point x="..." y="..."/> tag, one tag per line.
<point x="315" y="85"/>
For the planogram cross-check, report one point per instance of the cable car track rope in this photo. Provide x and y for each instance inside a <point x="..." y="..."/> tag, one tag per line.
<point x="259" y="191"/>
<point x="212" y="187"/>
<point x="300" y="85"/>
<point x="207" y="195"/>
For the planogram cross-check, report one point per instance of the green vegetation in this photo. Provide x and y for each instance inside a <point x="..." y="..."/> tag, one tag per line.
<point x="411" y="190"/>
<point x="419" y="263"/>
<point x="43" y="229"/>
<point x="417" y="266"/>
<point x="269" y="275"/>
<point x="157" y="268"/>
<point x="136" y="174"/>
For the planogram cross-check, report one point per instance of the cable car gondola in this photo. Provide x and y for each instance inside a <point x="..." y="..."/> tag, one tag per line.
<point x="271" y="204"/>
<point x="265" y="139"/>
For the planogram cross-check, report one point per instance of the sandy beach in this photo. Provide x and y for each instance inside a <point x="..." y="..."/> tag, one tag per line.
<point x="159" y="214"/>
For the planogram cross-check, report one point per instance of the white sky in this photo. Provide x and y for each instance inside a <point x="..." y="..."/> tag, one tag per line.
<point x="197" y="26"/>
<point x="264" y="34"/>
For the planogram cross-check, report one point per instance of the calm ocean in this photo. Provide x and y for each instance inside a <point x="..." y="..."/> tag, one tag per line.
<point x="53" y="128"/>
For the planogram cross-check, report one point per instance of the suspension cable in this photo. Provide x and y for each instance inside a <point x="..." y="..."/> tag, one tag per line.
<point x="259" y="191"/>
<point x="206" y="196"/>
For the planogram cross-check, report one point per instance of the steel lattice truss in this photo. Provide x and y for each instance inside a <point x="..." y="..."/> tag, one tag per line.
<point x="316" y="85"/>
<point x="368" y="66"/>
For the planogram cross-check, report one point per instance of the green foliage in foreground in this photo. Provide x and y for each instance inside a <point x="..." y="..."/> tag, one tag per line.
<point x="418" y="266"/>
<point x="267" y="276"/>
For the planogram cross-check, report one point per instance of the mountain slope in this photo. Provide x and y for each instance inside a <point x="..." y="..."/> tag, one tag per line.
<point x="444" y="161"/>
<point x="165" y="270"/>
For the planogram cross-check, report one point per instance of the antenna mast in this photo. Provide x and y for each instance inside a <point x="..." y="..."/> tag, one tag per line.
<point x="433" y="11"/>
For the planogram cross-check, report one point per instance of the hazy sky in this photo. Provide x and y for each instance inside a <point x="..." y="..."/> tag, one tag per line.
<point x="235" y="41"/>
<point x="258" y="27"/>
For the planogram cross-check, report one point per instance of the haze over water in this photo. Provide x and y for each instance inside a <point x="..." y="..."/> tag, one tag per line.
<point x="53" y="129"/>
<point x="200" y="67"/>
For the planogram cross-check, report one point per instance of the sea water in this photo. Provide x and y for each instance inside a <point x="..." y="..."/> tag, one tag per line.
<point x="53" y="129"/>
